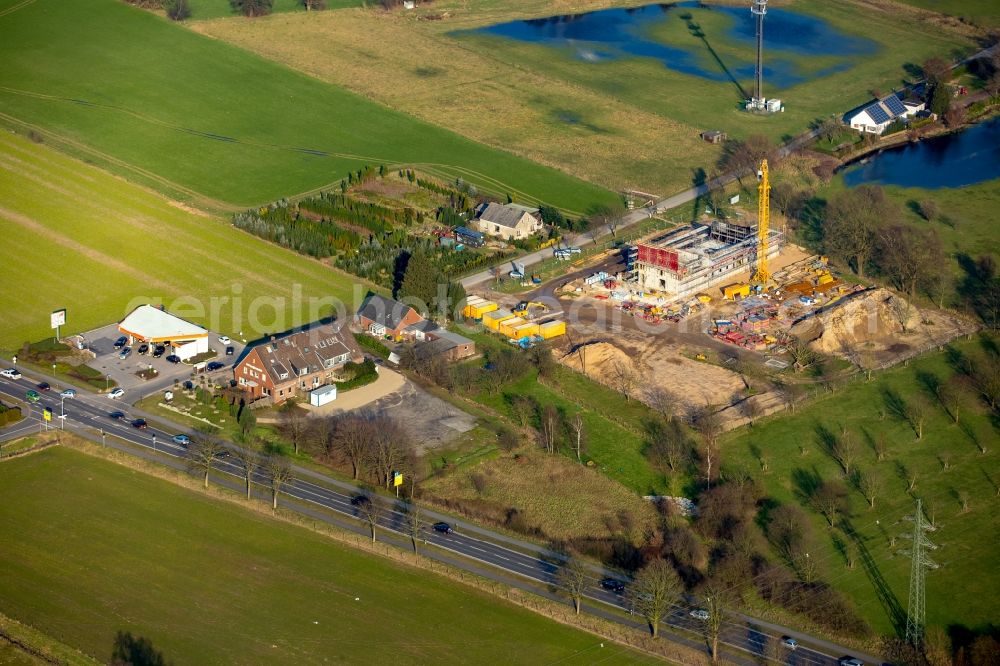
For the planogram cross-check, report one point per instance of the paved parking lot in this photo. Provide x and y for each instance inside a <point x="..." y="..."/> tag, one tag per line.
<point x="102" y="340"/>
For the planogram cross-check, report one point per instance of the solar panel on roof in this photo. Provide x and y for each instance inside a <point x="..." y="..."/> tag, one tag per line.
<point x="877" y="114"/>
<point x="894" y="105"/>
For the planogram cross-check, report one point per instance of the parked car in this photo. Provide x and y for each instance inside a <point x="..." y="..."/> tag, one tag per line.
<point x="159" y="351"/>
<point x="125" y="353"/>
<point x="215" y="365"/>
<point x="116" y="393"/>
<point x="44" y="386"/>
<point x="230" y="350"/>
<point x="139" y="423"/>
<point x="613" y="585"/>
<point x="850" y="661"/>
<point x="224" y="339"/>
<point x="117" y="416"/>
<point x="121" y="342"/>
<point x="173" y="358"/>
<point x="10" y="373"/>
<point x="32" y="396"/>
<point x="360" y="500"/>
<point x="443" y="528"/>
<point x="143" y="348"/>
<point x="182" y="440"/>
<point x="68" y="393"/>
<point x="700" y="614"/>
<point x="789" y="642"/>
<point x="188" y="385"/>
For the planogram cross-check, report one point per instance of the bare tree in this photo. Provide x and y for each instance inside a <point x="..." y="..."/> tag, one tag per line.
<point x="945" y="458"/>
<point x="371" y="512"/>
<point x="853" y="218"/>
<point x="624" y="378"/>
<point x="549" y="431"/>
<point x="574" y="578"/>
<point x="709" y="426"/>
<point x="870" y="484"/>
<point x="830" y="499"/>
<point x="910" y="257"/>
<point x="414" y="523"/>
<point x="391" y="446"/>
<point x="916" y="413"/>
<point x="293" y="424"/>
<point x="911" y="479"/>
<point x="669" y="446"/>
<point x="845" y="451"/>
<point x="279" y="473"/>
<point x="247" y="457"/>
<point x="203" y="453"/>
<point x="963" y="497"/>
<point x="803" y="356"/>
<point x="351" y="438"/>
<point x="577" y="426"/>
<point x="881" y="446"/>
<point x="653" y="592"/>
<point x="663" y="401"/>
<point x="950" y="395"/>
<point x="713" y="598"/>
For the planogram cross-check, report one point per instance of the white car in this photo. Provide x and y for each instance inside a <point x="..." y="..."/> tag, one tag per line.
<point x="10" y="373"/>
<point x="116" y="393"/>
<point x="224" y="339"/>
<point x="700" y="614"/>
<point x="789" y="643"/>
<point x="68" y="393"/>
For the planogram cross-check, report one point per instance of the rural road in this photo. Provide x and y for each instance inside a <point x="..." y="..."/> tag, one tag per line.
<point x="634" y="216"/>
<point x="503" y="559"/>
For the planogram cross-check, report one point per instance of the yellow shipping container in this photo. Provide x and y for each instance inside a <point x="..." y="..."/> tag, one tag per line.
<point x="491" y="320"/>
<point x="552" y="329"/>
<point x="480" y="309"/>
<point x="734" y="291"/>
<point x="470" y="305"/>
<point x="525" y="330"/>
<point x="507" y="326"/>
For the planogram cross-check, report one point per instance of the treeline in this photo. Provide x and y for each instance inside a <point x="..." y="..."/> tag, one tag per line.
<point x="279" y="224"/>
<point x="371" y="216"/>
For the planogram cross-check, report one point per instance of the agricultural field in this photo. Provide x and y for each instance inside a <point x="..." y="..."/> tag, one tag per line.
<point x="211" y="582"/>
<point x="629" y="122"/>
<point x="209" y="9"/>
<point x="216" y="126"/>
<point x="947" y="463"/>
<point x="981" y="12"/>
<point x="93" y="243"/>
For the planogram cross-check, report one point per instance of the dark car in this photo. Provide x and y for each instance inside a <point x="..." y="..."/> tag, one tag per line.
<point x="443" y="528"/>
<point x="117" y="416"/>
<point x="173" y="358"/>
<point x="139" y="423"/>
<point x="215" y="365"/>
<point x="188" y="385"/>
<point x="360" y="500"/>
<point x="44" y="386"/>
<point x="613" y="585"/>
<point x="120" y="342"/>
<point x="159" y="351"/>
<point x="230" y="351"/>
<point x="143" y="348"/>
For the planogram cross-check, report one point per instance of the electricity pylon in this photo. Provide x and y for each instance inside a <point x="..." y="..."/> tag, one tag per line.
<point x="916" y="611"/>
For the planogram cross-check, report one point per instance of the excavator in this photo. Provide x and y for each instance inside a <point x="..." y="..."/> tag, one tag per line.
<point x="523" y="309"/>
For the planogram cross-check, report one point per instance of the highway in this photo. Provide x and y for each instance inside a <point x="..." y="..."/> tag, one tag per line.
<point x="470" y="547"/>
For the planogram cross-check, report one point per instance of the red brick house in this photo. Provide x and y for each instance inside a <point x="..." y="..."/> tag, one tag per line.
<point x="295" y="363"/>
<point x="381" y="316"/>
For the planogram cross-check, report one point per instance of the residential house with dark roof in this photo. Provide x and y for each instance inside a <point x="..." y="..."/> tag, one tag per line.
<point x="431" y="339"/>
<point x="293" y="364"/>
<point x="381" y="316"/>
<point x="508" y="221"/>
<point x="876" y="116"/>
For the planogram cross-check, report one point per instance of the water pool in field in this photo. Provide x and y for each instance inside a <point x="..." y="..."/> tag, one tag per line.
<point x="791" y="39"/>
<point x="953" y="160"/>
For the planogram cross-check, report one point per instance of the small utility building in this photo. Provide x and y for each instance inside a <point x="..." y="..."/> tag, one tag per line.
<point x="156" y="326"/>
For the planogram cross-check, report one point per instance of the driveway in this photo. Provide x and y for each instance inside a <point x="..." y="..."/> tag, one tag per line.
<point x="389" y="381"/>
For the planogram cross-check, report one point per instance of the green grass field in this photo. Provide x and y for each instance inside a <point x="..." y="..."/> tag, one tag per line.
<point x="982" y="12"/>
<point x="204" y="120"/>
<point x="969" y="561"/>
<point x="209" y="582"/>
<point x="92" y="243"/>
<point x="210" y="9"/>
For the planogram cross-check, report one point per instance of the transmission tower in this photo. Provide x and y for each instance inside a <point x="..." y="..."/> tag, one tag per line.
<point x="759" y="10"/>
<point x="916" y="612"/>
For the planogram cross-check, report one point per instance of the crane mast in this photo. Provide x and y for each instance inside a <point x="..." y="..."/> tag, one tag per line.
<point x="762" y="275"/>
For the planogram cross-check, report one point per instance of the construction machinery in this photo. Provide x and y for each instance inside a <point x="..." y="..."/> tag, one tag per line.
<point x="762" y="274"/>
<point x="523" y="309"/>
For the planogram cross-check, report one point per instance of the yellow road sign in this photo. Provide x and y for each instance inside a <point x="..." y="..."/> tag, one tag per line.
<point x="47" y="414"/>
<point x="397" y="479"/>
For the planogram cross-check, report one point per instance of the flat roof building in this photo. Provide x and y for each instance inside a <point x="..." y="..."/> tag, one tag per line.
<point x="154" y="325"/>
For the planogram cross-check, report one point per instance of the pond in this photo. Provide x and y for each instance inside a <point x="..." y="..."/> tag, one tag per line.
<point x="618" y="34"/>
<point x="954" y="160"/>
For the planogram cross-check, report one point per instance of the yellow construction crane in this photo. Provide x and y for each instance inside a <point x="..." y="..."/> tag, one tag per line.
<point x="762" y="275"/>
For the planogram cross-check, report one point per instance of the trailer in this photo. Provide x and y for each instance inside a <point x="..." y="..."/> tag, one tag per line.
<point x="552" y="329"/>
<point x="492" y="320"/>
<point x="526" y="330"/>
<point x="507" y="327"/>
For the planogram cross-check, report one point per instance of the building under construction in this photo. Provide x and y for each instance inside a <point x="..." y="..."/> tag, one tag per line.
<point x="695" y="258"/>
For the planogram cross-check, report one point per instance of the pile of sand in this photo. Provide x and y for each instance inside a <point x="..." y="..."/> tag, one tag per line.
<point x="599" y="361"/>
<point x="876" y="327"/>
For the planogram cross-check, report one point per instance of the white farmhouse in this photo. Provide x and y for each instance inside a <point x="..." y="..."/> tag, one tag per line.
<point x="876" y="116"/>
<point x="509" y="222"/>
